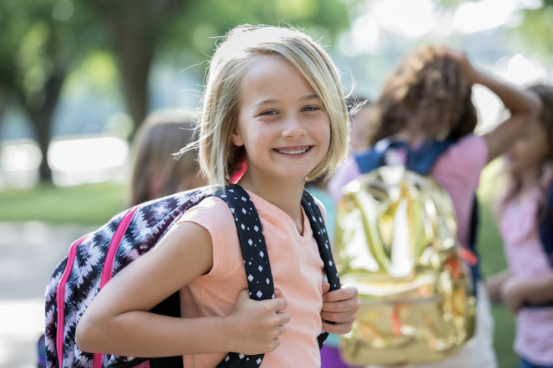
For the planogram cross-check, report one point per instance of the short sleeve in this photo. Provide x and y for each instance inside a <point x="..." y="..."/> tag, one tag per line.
<point x="465" y="160"/>
<point x="347" y="172"/>
<point x="214" y="215"/>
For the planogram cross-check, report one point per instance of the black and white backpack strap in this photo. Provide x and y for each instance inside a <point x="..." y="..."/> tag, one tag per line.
<point x="256" y="261"/>
<point x="316" y="221"/>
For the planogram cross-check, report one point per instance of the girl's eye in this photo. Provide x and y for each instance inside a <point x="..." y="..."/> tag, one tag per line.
<point x="311" y="108"/>
<point x="268" y="113"/>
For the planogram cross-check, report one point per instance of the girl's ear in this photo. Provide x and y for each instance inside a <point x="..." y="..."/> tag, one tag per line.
<point x="236" y="138"/>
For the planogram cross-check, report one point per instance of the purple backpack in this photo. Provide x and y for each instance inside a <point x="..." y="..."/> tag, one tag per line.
<point x="95" y="258"/>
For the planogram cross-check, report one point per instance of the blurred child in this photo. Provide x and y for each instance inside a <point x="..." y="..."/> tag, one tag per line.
<point x="428" y="98"/>
<point x="273" y="98"/>
<point x="156" y="173"/>
<point x="361" y="123"/>
<point x="525" y="206"/>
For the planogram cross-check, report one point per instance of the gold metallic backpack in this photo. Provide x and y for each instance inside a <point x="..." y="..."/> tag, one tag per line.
<point x="396" y="241"/>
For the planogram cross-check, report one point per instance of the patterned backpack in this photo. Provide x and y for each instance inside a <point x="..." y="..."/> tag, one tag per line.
<point x="95" y="258"/>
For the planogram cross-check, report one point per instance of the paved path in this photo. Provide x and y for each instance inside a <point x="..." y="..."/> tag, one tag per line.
<point x="28" y="254"/>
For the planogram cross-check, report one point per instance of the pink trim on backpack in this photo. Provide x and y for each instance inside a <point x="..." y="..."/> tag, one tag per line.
<point x="145" y="364"/>
<point x="61" y="297"/>
<point x="107" y="270"/>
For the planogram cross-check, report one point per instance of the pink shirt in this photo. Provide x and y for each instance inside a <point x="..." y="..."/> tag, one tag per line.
<point x="527" y="259"/>
<point x="297" y="271"/>
<point x="457" y="170"/>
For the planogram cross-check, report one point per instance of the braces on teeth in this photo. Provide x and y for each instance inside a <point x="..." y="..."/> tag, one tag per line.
<point x="294" y="151"/>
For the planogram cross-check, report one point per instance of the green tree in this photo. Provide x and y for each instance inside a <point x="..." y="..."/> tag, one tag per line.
<point x="141" y="29"/>
<point x="38" y="44"/>
<point x="535" y="30"/>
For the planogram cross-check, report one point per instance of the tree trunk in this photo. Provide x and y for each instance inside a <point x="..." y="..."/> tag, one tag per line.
<point x="135" y="56"/>
<point x="134" y="37"/>
<point x="3" y="106"/>
<point x="41" y="119"/>
<point x="134" y="28"/>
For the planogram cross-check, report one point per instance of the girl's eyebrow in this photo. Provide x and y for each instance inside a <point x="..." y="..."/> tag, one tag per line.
<point x="271" y="100"/>
<point x="310" y="97"/>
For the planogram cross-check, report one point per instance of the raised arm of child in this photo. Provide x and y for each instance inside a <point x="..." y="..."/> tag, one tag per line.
<point x="118" y="322"/>
<point x="524" y="106"/>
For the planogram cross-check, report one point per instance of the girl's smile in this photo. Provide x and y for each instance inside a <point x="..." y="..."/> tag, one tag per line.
<point x="293" y="151"/>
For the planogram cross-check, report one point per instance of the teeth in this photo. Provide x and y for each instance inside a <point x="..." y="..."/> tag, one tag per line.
<point x="294" y="151"/>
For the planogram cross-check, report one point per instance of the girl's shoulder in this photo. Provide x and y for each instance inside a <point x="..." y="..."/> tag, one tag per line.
<point x="471" y="147"/>
<point x="214" y="215"/>
<point x="468" y="156"/>
<point x="212" y="207"/>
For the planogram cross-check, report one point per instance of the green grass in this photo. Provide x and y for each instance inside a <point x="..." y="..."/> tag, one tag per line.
<point x="490" y="247"/>
<point x="96" y="204"/>
<point x="86" y="204"/>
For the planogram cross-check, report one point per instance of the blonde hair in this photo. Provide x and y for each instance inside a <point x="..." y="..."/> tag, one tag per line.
<point x="155" y="172"/>
<point x="219" y="157"/>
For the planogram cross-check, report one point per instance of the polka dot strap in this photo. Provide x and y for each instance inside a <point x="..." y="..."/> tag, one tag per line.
<point x="255" y="257"/>
<point x="316" y="221"/>
<point x="321" y="236"/>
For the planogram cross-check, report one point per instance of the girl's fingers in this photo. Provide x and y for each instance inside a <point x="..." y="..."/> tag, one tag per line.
<point x="278" y="304"/>
<point x="339" y="317"/>
<point x="344" y="293"/>
<point x="342" y="306"/>
<point x="276" y="344"/>
<point x="283" y="318"/>
<point x="279" y="331"/>
<point x="326" y="287"/>
<point x="337" y="328"/>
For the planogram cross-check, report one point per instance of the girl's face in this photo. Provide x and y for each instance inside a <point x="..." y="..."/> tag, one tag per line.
<point x="282" y="122"/>
<point x="529" y="150"/>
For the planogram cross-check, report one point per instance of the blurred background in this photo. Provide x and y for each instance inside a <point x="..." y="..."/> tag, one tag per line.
<point x="78" y="78"/>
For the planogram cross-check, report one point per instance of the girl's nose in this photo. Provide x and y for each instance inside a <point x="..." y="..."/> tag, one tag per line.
<point x="293" y="128"/>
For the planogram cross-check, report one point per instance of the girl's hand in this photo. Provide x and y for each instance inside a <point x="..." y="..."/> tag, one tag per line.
<point x="460" y="57"/>
<point x="253" y="327"/>
<point x="339" y="306"/>
<point x="513" y="293"/>
<point x="494" y="284"/>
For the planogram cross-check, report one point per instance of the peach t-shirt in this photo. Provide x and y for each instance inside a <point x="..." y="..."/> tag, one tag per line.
<point x="297" y="271"/>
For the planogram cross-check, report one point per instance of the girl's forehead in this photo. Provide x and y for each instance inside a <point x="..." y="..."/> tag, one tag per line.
<point x="274" y="79"/>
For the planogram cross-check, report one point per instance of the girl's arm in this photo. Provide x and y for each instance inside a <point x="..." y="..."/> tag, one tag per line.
<point x="539" y="290"/>
<point x="118" y="322"/>
<point x="523" y="105"/>
<point x="516" y="292"/>
<point x="494" y="283"/>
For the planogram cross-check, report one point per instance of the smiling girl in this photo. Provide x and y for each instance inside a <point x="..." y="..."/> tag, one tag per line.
<point x="273" y="99"/>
